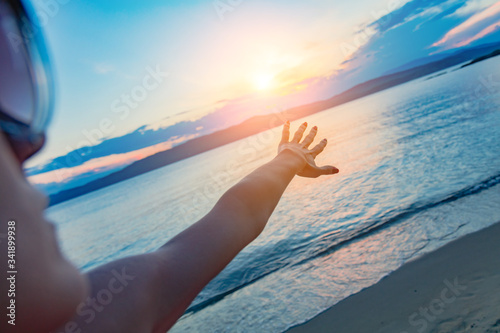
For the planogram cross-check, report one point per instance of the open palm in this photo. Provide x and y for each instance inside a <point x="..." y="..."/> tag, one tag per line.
<point x="301" y="149"/>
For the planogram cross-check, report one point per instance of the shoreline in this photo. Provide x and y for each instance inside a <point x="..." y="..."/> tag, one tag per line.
<point x="453" y="289"/>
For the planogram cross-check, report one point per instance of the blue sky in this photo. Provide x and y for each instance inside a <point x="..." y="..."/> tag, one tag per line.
<point x="225" y="65"/>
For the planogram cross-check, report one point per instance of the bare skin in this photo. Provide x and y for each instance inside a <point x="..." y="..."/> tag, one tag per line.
<point x="149" y="292"/>
<point x="44" y="275"/>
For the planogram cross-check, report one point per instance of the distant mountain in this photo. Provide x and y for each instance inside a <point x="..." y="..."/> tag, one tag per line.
<point x="260" y="123"/>
<point x="142" y="137"/>
<point x="481" y="49"/>
<point x="417" y="63"/>
<point x="491" y="55"/>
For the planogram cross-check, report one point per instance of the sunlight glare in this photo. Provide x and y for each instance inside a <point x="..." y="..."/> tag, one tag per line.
<point x="263" y="81"/>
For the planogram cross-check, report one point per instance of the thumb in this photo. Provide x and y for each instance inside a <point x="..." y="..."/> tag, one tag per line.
<point x="328" y="170"/>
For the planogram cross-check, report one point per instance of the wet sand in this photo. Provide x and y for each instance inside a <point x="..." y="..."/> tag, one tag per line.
<point x="453" y="289"/>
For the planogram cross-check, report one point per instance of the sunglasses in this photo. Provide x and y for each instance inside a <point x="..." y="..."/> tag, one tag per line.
<point x="26" y="87"/>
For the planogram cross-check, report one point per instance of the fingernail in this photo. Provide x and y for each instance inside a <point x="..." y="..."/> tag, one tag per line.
<point x="315" y="127"/>
<point x="305" y="124"/>
<point x="335" y="170"/>
<point x="287" y="122"/>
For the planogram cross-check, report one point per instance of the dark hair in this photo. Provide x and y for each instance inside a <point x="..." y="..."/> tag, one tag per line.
<point x="19" y="9"/>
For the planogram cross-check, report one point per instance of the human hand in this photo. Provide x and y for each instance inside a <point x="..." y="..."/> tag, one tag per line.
<point x="310" y="170"/>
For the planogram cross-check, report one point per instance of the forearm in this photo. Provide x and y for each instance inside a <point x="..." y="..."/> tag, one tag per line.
<point x="242" y="212"/>
<point x="195" y="256"/>
<point x="259" y="193"/>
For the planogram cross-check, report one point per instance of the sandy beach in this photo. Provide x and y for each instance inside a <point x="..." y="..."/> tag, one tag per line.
<point x="453" y="289"/>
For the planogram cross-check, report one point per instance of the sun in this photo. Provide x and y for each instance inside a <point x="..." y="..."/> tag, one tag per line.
<point x="263" y="81"/>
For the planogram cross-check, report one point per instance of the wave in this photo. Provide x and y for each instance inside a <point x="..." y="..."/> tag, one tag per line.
<point x="297" y="251"/>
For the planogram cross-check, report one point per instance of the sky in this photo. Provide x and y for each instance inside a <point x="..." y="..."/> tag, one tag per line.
<point x="137" y="77"/>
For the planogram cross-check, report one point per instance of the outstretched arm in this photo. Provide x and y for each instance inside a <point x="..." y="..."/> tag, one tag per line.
<point x="164" y="283"/>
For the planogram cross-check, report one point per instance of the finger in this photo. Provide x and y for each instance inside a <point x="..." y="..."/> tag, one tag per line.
<point x="319" y="148"/>
<point x="310" y="137"/>
<point x="299" y="133"/>
<point x="285" y="136"/>
<point x="328" y="170"/>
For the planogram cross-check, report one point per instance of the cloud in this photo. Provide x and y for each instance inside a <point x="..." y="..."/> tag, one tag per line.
<point x="410" y="34"/>
<point x="103" y="68"/>
<point x="423" y="15"/>
<point x="474" y="6"/>
<point x="103" y="164"/>
<point x="483" y="33"/>
<point x="477" y="26"/>
<point x="407" y="13"/>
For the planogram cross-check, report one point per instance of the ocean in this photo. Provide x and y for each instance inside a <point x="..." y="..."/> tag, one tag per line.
<point x="419" y="167"/>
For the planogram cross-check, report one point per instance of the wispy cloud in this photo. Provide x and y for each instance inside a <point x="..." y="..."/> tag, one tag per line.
<point x="103" y="68"/>
<point x="103" y="164"/>
<point x="483" y="33"/>
<point x="106" y="68"/>
<point x="478" y="25"/>
<point x="408" y="13"/>
<point x="474" y="6"/>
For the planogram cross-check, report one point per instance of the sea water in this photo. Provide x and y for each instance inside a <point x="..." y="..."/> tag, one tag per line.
<point x="419" y="167"/>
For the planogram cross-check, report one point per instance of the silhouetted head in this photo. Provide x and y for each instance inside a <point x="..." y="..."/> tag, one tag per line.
<point x="26" y="90"/>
